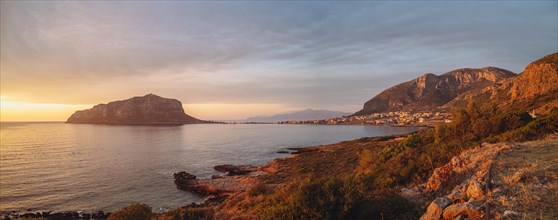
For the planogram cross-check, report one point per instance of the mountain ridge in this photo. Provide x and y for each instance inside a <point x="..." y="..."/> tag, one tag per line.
<point x="490" y="86"/>
<point x="303" y="115"/>
<point x="534" y="88"/>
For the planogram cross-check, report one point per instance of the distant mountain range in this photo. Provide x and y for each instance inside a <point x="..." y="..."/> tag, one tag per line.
<point x="304" y="115"/>
<point x="534" y="88"/>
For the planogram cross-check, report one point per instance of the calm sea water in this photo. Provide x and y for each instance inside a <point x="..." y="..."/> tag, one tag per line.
<point x="61" y="167"/>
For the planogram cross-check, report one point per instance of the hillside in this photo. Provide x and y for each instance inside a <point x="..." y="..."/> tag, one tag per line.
<point x="443" y="172"/>
<point x="430" y="91"/>
<point x="145" y="110"/>
<point x="307" y="114"/>
<point x="535" y="88"/>
<point x="503" y="181"/>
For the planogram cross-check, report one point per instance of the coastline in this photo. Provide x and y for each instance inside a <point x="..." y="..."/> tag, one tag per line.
<point x="227" y="185"/>
<point x="239" y="185"/>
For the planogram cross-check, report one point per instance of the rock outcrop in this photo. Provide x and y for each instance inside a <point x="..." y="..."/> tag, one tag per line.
<point x="146" y="110"/>
<point x="431" y="91"/>
<point x="499" y="181"/>
<point x="463" y="181"/>
<point x="536" y="88"/>
<point x="236" y="178"/>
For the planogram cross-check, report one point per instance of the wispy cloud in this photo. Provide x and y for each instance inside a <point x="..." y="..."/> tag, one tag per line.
<point x="325" y="54"/>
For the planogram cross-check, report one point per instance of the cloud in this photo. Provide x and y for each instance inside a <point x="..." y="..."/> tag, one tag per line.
<point x="324" y="54"/>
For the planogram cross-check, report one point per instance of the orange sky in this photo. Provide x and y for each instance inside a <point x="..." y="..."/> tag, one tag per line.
<point x="25" y="111"/>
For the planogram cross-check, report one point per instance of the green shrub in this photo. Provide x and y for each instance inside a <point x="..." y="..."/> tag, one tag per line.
<point x="365" y="162"/>
<point x="189" y="214"/>
<point x="353" y="198"/>
<point x="371" y="193"/>
<point x="132" y="212"/>
<point x="535" y="129"/>
<point x="414" y="158"/>
<point x="259" y="189"/>
<point x="411" y="141"/>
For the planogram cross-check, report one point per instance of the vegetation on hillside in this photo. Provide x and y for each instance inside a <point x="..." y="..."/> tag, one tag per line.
<point x="373" y="174"/>
<point x="371" y="193"/>
<point x="132" y="212"/>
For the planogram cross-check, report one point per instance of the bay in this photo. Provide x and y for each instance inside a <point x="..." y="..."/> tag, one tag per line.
<point x="63" y="167"/>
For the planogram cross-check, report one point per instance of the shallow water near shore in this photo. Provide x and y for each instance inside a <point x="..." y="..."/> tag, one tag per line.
<point x="61" y="167"/>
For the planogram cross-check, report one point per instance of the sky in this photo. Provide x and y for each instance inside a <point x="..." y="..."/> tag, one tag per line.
<point x="232" y="60"/>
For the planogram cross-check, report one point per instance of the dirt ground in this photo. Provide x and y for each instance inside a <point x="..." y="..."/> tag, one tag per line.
<point x="525" y="180"/>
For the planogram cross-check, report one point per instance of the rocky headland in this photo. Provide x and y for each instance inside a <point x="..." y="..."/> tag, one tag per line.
<point x="503" y="180"/>
<point x="533" y="89"/>
<point x="431" y="91"/>
<point x="145" y="110"/>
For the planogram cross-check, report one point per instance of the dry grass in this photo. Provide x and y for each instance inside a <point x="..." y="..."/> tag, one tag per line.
<point x="526" y="180"/>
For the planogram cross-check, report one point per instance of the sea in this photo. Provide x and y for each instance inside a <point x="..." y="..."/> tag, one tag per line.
<point x="69" y="167"/>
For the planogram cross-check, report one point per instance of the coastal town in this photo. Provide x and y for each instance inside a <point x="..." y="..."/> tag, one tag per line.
<point x="395" y="118"/>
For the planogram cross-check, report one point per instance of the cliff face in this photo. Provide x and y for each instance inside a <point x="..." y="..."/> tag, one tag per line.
<point x="432" y="91"/>
<point x="539" y="78"/>
<point x="535" y="88"/>
<point x="146" y="110"/>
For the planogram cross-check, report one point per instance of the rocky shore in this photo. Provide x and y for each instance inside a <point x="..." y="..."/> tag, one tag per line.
<point x="502" y="180"/>
<point x="235" y="178"/>
<point x="51" y="215"/>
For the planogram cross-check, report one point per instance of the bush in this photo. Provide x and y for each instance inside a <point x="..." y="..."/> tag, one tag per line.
<point x="414" y="158"/>
<point x="371" y="193"/>
<point x="412" y="141"/>
<point x="535" y="129"/>
<point x="353" y="198"/>
<point x="189" y="214"/>
<point x="259" y="189"/>
<point x="365" y="162"/>
<point x="132" y="212"/>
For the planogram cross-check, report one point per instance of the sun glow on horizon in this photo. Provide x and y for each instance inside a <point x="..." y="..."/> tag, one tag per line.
<point x="11" y="110"/>
<point x="229" y="111"/>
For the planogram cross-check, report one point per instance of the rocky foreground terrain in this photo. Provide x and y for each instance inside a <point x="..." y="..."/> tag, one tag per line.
<point x="502" y="181"/>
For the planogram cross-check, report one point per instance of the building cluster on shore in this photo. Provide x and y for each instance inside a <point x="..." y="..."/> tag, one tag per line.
<point x="396" y="118"/>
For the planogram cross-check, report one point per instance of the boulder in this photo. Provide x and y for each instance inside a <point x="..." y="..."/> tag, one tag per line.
<point x="436" y="208"/>
<point x="188" y="182"/>
<point x="439" y="176"/>
<point x="183" y="176"/>
<point x="475" y="190"/>
<point x="518" y="176"/>
<point x="511" y="215"/>
<point x="233" y="170"/>
<point x="457" y="196"/>
<point x="472" y="210"/>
